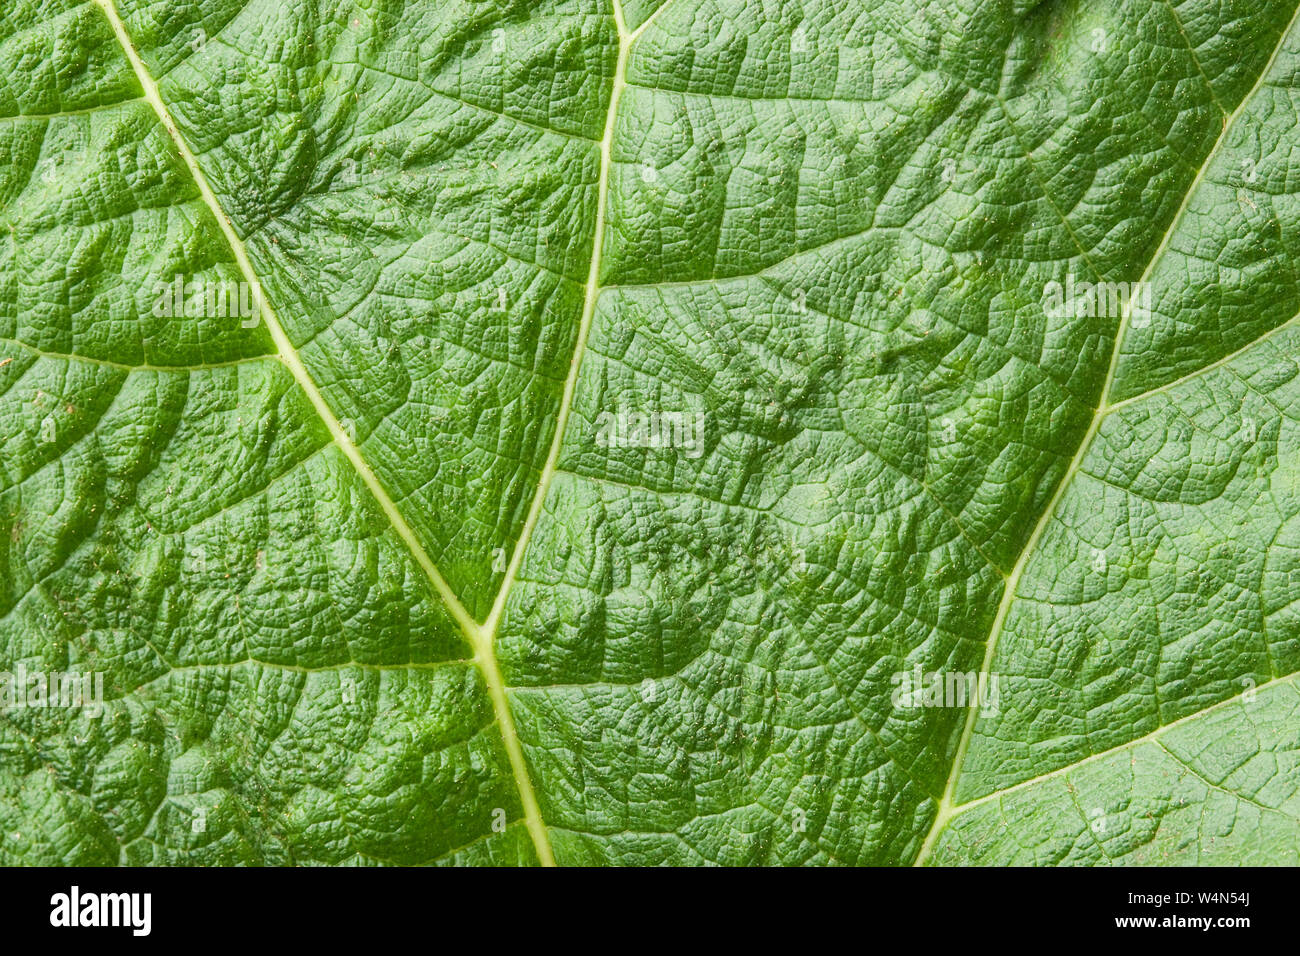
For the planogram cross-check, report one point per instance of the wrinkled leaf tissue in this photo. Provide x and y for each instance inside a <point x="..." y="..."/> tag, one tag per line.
<point x="697" y="431"/>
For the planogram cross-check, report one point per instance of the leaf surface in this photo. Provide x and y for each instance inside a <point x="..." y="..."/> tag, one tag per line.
<point x="635" y="398"/>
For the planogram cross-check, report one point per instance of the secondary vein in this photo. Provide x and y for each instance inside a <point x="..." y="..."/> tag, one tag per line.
<point x="480" y="640"/>
<point x="487" y="634"/>
<point x="947" y="807"/>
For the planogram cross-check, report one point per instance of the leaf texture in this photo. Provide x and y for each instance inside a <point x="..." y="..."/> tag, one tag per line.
<point x="366" y="574"/>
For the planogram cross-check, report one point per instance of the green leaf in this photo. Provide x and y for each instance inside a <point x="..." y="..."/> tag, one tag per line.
<point x="698" y="431"/>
